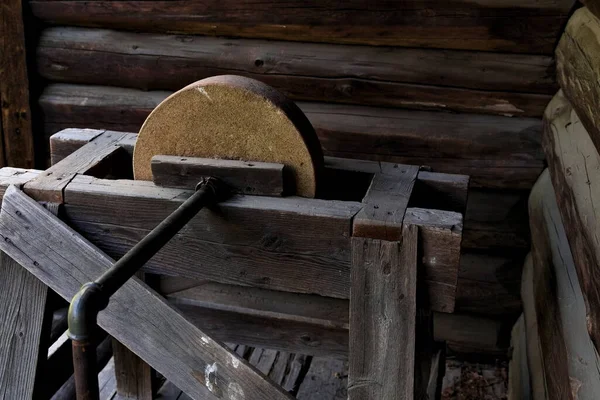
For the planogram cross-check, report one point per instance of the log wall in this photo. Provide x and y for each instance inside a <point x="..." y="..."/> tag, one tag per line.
<point x="459" y="86"/>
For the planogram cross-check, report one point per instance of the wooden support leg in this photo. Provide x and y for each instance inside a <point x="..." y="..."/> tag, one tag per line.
<point x="382" y="317"/>
<point x="23" y="330"/>
<point x="134" y="376"/>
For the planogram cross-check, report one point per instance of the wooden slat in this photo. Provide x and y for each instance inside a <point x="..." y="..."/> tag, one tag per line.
<point x="133" y="375"/>
<point x="246" y="177"/>
<point x="393" y="77"/>
<point x="204" y="368"/>
<point x="17" y="135"/>
<point x="22" y="331"/>
<point x="382" y="317"/>
<point x="578" y="69"/>
<point x="385" y="204"/>
<point x="574" y="164"/>
<point x="495" y="151"/>
<point x="500" y="25"/>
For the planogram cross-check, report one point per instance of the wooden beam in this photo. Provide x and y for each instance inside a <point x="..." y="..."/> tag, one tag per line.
<point x="497" y="152"/>
<point x="23" y="331"/>
<point x="574" y="164"/>
<point x="133" y="375"/>
<point x="385" y="204"/>
<point x="383" y="317"/>
<point x="578" y="69"/>
<point x="246" y="177"/>
<point x="203" y="369"/>
<point x="498" y="25"/>
<point x="17" y="134"/>
<point x="488" y="83"/>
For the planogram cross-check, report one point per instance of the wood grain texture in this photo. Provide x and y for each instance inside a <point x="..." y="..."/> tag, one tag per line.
<point x="133" y="375"/>
<point x="246" y="177"/>
<point x="500" y="25"/>
<point x="578" y="69"/>
<point x="203" y="369"/>
<point x="17" y="135"/>
<point x="495" y="151"/>
<point x="491" y="83"/>
<point x="22" y="342"/>
<point x="567" y="349"/>
<point x="96" y="157"/>
<point x="574" y="164"/>
<point x="383" y="317"/>
<point x="385" y="204"/>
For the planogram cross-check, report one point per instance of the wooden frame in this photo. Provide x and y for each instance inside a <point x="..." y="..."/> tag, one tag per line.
<point x="295" y="248"/>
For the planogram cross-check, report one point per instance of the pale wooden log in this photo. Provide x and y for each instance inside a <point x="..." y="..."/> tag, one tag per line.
<point x="246" y="177"/>
<point x="574" y="163"/>
<point x="518" y="371"/>
<point x="566" y="346"/>
<point x="495" y="151"/>
<point x="22" y="331"/>
<point x="578" y="68"/>
<point x="496" y="25"/>
<point x="204" y="369"/>
<point x="382" y="317"/>
<point x="17" y="136"/>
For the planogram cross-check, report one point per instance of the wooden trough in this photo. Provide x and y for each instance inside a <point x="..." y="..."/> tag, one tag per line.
<point x="336" y="276"/>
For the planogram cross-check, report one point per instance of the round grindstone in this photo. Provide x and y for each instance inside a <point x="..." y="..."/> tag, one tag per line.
<point x="236" y="118"/>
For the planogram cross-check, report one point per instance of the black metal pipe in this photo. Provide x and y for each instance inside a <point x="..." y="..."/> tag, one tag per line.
<point x="93" y="297"/>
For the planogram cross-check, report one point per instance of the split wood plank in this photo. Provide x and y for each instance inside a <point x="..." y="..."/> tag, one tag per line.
<point x="390" y="77"/>
<point x="509" y="26"/>
<point x="99" y="156"/>
<point x="495" y="151"/>
<point x="383" y="317"/>
<point x="569" y="358"/>
<point x="578" y="68"/>
<point x="17" y="137"/>
<point x="574" y="164"/>
<point x="133" y="375"/>
<point x="385" y="204"/>
<point x="204" y="369"/>
<point x="246" y="177"/>
<point x="22" y="331"/>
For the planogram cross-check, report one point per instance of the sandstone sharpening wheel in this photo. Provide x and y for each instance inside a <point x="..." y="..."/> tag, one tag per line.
<point x="235" y="118"/>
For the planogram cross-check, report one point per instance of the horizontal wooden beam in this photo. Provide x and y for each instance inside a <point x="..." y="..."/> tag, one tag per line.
<point x="246" y="177"/>
<point x="494" y="83"/>
<point x="495" y="151"/>
<point x="499" y="25"/>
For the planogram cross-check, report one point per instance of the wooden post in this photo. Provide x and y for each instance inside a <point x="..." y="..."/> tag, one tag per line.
<point x="14" y="88"/>
<point x="382" y="317"/>
<point x="22" y="330"/>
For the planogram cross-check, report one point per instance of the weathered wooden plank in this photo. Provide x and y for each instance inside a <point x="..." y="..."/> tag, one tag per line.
<point x="382" y="317"/>
<point x="498" y="25"/>
<point x="99" y="156"/>
<point x="495" y="151"/>
<point x="17" y="137"/>
<point x="578" y="69"/>
<point x="391" y="77"/>
<point x="246" y="177"/>
<point x="205" y="368"/>
<point x="574" y="164"/>
<point x="170" y="62"/>
<point x="440" y="191"/>
<point x="385" y="205"/>
<point x="22" y="331"/>
<point x="306" y="324"/>
<point x="67" y="141"/>
<point x="567" y="349"/>
<point x="133" y="375"/>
